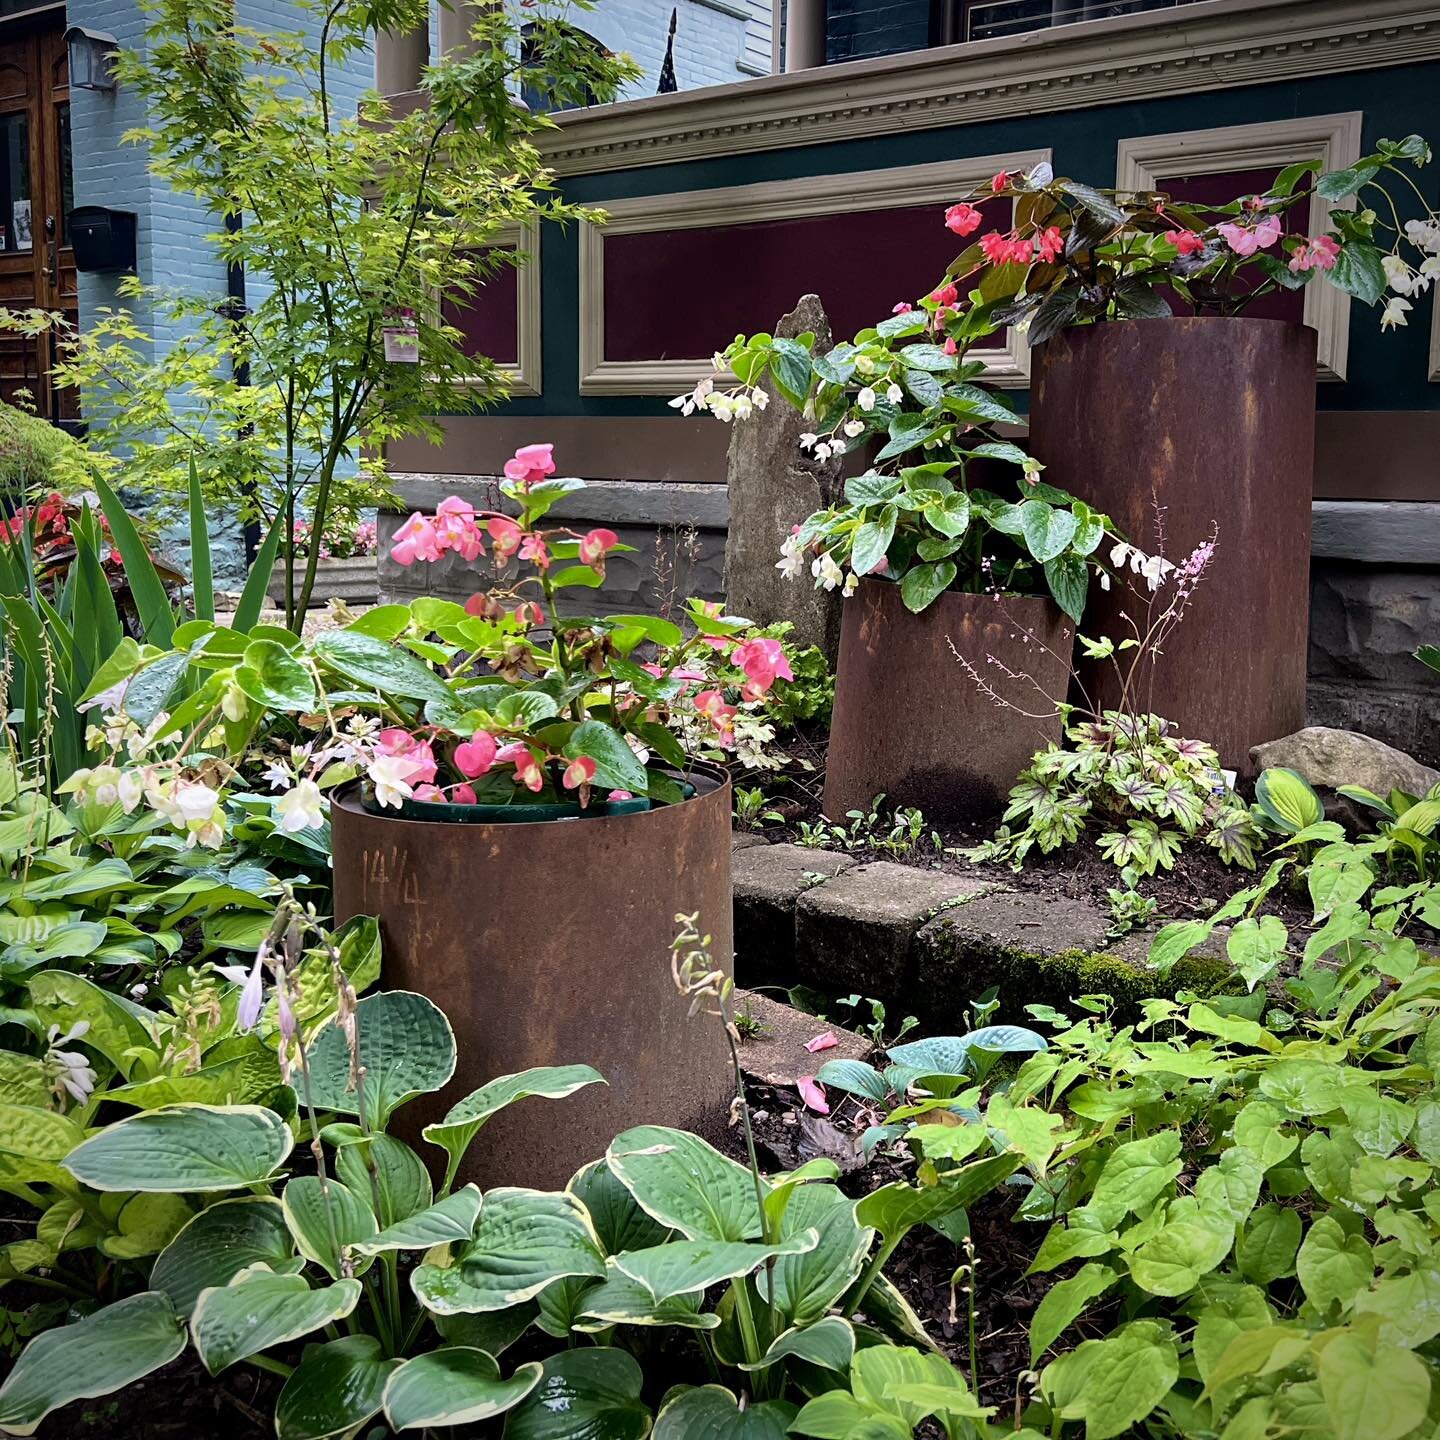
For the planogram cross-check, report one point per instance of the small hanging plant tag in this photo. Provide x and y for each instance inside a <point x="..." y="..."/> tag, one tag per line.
<point x="402" y="338"/>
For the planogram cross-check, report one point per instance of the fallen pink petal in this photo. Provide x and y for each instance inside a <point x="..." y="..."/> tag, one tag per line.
<point x="827" y="1041"/>
<point x="813" y="1094"/>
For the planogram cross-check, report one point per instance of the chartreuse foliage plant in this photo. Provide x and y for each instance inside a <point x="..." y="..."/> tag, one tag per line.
<point x="758" y="1304"/>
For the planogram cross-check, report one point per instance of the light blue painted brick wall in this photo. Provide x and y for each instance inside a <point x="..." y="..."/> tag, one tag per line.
<point x="716" y="41"/>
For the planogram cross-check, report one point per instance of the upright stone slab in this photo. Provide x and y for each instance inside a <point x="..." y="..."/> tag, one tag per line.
<point x="773" y="486"/>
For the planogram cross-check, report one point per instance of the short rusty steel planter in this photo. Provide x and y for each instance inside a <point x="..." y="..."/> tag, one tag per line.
<point x="549" y="944"/>
<point x="1215" y="419"/>
<point x="911" y="724"/>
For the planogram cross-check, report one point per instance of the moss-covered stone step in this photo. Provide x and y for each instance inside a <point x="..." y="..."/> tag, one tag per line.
<point x="927" y="942"/>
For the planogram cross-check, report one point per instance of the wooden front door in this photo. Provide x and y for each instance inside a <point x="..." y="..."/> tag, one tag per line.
<point x="37" y="265"/>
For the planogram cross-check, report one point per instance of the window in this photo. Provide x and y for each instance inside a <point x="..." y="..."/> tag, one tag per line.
<point x="552" y="93"/>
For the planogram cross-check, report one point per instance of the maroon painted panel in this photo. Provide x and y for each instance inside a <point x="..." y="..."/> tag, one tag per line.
<point x="1223" y="188"/>
<point x="681" y="294"/>
<point x="489" y="320"/>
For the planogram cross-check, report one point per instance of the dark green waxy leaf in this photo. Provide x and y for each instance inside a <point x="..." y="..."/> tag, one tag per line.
<point x="271" y="676"/>
<point x="808" y="1284"/>
<point x="526" y="1239"/>
<point x="104" y="1352"/>
<point x="583" y="1395"/>
<point x="686" y="1184"/>
<point x="828" y="1343"/>
<point x="871" y="488"/>
<point x="1069" y="580"/>
<point x="370" y="662"/>
<point x="1101" y="206"/>
<point x="872" y="540"/>
<point x="1047" y="530"/>
<point x="456" y="1385"/>
<point x="619" y="1221"/>
<point x="406" y="1046"/>
<point x="619" y="1300"/>
<point x="335" y="1388"/>
<point x="924" y="584"/>
<point x="713" y="1413"/>
<point x="951" y="517"/>
<point x="218" y="1244"/>
<point x="617" y="767"/>
<point x="403" y="1180"/>
<point x="976" y="406"/>
<point x="466" y="1117"/>
<point x="1337" y="184"/>
<point x="184" y="1148"/>
<point x="259" y="1310"/>
<point x="1359" y="271"/>
<point x="907" y="431"/>
<point x="790" y="369"/>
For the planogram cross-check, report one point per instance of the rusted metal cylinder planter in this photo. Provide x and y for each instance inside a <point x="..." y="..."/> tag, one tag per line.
<point x="1214" y="419"/>
<point x="548" y="943"/>
<point x="910" y="723"/>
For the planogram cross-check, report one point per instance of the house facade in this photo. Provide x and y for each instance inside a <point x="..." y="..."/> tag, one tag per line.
<point x="727" y="204"/>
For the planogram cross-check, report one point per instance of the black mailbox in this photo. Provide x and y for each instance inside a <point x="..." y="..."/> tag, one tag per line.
<point x="102" y="239"/>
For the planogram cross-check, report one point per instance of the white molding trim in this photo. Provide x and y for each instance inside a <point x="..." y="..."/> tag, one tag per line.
<point x="889" y="189"/>
<point x="1434" y="367"/>
<point x="1141" y="162"/>
<point x="1206" y="46"/>
<point x="525" y="376"/>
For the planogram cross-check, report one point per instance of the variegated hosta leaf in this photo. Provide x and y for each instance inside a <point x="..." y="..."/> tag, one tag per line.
<point x="453" y="1386"/>
<point x="685" y="1266"/>
<point x="445" y="1222"/>
<point x="619" y="1300"/>
<point x="218" y="1244"/>
<point x="258" y="1310"/>
<point x="591" y="1394"/>
<point x="711" y="1412"/>
<point x="687" y="1184"/>
<point x="335" y="1389"/>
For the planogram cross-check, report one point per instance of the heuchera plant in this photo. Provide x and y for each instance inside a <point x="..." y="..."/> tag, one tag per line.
<point x="497" y="700"/>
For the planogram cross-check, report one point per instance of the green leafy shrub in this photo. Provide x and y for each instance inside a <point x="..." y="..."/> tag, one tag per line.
<point x="1145" y="789"/>
<point x="34" y="455"/>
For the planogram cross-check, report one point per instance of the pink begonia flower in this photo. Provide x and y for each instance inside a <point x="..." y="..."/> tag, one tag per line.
<point x="1244" y="241"/>
<point x="763" y="662"/>
<point x="579" y="772"/>
<point x="950" y="347"/>
<point x="1319" y="253"/>
<point x="827" y="1041"/>
<point x="415" y="540"/>
<point x="1187" y="242"/>
<point x="595" y="545"/>
<point x="530" y="612"/>
<point x="945" y="295"/>
<point x="453" y="507"/>
<point x="619" y="795"/>
<point x="527" y="770"/>
<point x="477" y="604"/>
<point x="459" y="533"/>
<point x="813" y="1094"/>
<point x="534" y="549"/>
<point x="476" y="755"/>
<point x="681" y="672"/>
<point x="531" y="463"/>
<point x="504" y="537"/>
<point x="996" y="247"/>
<point x="1050" y="244"/>
<point x="432" y="793"/>
<point x="1022" y="251"/>
<point x="999" y="182"/>
<point x="901" y="307"/>
<point x="1268" y="231"/>
<point x="402" y="744"/>
<point x="462" y="795"/>
<point x="711" y="704"/>
<point x="963" y="219"/>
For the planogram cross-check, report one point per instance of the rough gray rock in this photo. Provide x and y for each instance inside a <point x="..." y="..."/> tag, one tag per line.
<point x="1332" y="758"/>
<point x="767" y="881"/>
<point x="777" y="1055"/>
<point x="773" y="486"/>
<point x="855" y="933"/>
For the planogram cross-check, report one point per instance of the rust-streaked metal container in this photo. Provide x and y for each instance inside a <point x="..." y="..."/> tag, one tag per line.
<point x="548" y="943"/>
<point x="910" y="722"/>
<point x="1214" y="419"/>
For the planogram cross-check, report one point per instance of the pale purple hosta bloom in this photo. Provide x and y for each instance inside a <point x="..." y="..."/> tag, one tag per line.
<point x="107" y="701"/>
<point x="252" y="996"/>
<point x="69" y="1071"/>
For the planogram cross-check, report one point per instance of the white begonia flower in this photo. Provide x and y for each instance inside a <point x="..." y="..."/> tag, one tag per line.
<point x="1119" y="554"/>
<point x="130" y="790"/>
<point x="851" y="581"/>
<point x="854" y="428"/>
<point x="741" y="407"/>
<point x="1155" y="569"/>
<point x="791" y="563"/>
<point x="808" y="441"/>
<point x="759" y="398"/>
<point x="140" y="742"/>
<point x="1430" y="267"/>
<point x="390" y="774"/>
<point x="827" y="573"/>
<point x="822" y="451"/>
<point x="865" y="365"/>
<point x="866" y="399"/>
<point x="1397" y="274"/>
<point x="894" y="394"/>
<point x="1424" y="234"/>
<point x="837" y="445"/>
<point x="1394" y="313"/>
<point x="302" y="808"/>
<point x="1104" y="580"/>
<point x="695" y="400"/>
<point x="232" y="704"/>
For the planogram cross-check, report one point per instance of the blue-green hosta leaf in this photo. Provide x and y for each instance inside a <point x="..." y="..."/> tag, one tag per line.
<point x="855" y="1076"/>
<point x="685" y="1266"/>
<point x="406" y="1046"/>
<point x="494" y="1333"/>
<point x="453" y="1386"/>
<point x="583" y="1395"/>
<point x="335" y="1388"/>
<point x="218" y="1244"/>
<point x="808" y="1284"/>
<point x="184" y="1148"/>
<point x="829" y="1343"/>
<point x="445" y="1222"/>
<point x="619" y="1222"/>
<point x="463" y="1121"/>
<point x="713" y="1413"/>
<point x="258" y="1310"/>
<point x="525" y="1240"/>
<point x="102" y="1353"/>
<point x="326" y="1218"/>
<point x="687" y="1184"/>
<point x="619" y="1300"/>
<point x="401" y="1176"/>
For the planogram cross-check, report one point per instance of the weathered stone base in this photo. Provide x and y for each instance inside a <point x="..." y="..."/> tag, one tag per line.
<point x="927" y="943"/>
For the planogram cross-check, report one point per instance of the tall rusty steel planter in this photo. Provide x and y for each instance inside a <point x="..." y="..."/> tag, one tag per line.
<point x="548" y="943"/>
<point x="911" y="724"/>
<point x="1213" y="419"/>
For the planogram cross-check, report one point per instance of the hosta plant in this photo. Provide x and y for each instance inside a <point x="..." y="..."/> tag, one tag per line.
<point x="750" y="1299"/>
<point x="499" y="700"/>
